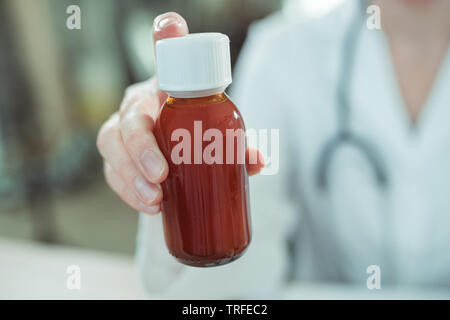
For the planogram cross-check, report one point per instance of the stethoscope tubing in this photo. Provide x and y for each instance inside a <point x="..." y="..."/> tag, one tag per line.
<point x="345" y="136"/>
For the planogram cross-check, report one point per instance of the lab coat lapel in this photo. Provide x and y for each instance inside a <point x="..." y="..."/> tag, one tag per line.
<point x="433" y="129"/>
<point x="377" y="107"/>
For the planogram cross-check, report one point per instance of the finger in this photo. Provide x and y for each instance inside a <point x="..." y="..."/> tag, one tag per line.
<point x="111" y="147"/>
<point x="166" y="25"/>
<point x="136" y="130"/>
<point x="143" y="98"/>
<point x="169" y="25"/>
<point x="254" y="160"/>
<point x="125" y="193"/>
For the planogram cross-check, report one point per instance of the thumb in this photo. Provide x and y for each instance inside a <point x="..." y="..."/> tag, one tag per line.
<point x="169" y="25"/>
<point x="166" y="25"/>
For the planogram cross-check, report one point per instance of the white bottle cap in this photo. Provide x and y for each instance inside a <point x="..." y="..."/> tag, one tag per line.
<point x="196" y="65"/>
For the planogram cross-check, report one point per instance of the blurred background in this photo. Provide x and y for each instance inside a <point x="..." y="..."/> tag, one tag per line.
<point x="57" y="86"/>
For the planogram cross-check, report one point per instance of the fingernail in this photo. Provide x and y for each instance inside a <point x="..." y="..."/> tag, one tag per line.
<point x="166" y="21"/>
<point x="147" y="192"/>
<point x="152" y="163"/>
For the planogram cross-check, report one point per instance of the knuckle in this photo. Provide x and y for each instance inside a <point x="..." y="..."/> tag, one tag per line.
<point x="136" y="130"/>
<point x="126" y="106"/>
<point x="100" y="140"/>
<point x="127" y="171"/>
<point x="133" y="138"/>
<point x="106" y="132"/>
<point x="138" y="105"/>
<point x="129" y="97"/>
<point x="132" y="95"/>
<point x="112" y="179"/>
<point x="108" y="172"/>
<point x="131" y="89"/>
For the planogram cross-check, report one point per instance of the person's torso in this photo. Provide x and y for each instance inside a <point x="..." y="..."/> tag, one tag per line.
<point x="404" y="226"/>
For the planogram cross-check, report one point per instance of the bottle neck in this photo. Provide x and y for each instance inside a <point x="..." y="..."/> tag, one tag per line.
<point x="208" y="100"/>
<point x="197" y="93"/>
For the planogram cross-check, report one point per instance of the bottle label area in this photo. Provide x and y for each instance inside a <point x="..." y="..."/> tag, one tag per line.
<point x="210" y="146"/>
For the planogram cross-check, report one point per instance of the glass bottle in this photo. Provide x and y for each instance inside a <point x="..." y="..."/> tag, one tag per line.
<point x="201" y="133"/>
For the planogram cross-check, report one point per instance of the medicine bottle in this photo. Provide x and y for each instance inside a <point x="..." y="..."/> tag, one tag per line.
<point x="205" y="206"/>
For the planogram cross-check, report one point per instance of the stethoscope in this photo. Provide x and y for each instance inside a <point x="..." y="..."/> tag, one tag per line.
<point x="344" y="135"/>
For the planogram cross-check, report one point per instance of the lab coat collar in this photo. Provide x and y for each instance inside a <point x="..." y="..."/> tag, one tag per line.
<point x="377" y="102"/>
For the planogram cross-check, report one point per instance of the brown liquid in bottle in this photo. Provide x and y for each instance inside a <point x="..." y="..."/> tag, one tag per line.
<point x="205" y="207"/>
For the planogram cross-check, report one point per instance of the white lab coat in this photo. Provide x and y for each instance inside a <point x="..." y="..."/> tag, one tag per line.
<point x="286" y="78"/>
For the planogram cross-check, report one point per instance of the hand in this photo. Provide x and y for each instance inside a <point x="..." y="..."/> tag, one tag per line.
<point x="133" y="164"/>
